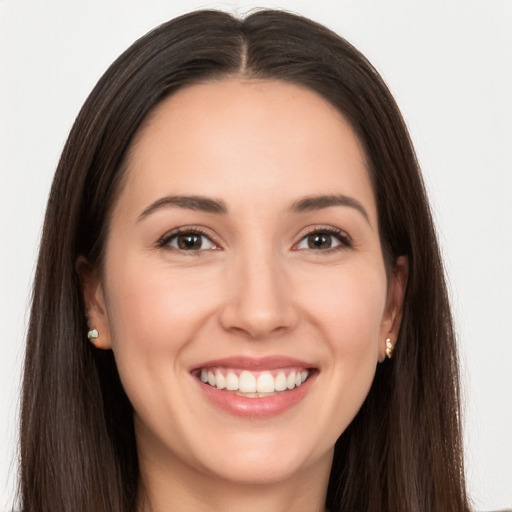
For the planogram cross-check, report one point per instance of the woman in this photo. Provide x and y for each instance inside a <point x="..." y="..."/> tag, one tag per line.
<point x="239" y="302"/>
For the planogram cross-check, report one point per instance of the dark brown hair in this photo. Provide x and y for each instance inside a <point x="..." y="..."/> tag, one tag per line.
<point x="402" y="452"/>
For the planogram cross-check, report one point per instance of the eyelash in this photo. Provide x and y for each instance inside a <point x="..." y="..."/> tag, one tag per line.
<point x="341" y="236"/>
<point x="164" y="242"/>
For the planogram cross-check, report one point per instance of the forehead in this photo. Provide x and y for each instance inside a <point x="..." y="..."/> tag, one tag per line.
<point x="247" y="136"/>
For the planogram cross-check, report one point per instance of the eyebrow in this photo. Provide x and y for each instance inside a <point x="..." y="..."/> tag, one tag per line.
<point x="217" y="206"/>
<point x="312" y="203"/>
<point x="197" y="203"/>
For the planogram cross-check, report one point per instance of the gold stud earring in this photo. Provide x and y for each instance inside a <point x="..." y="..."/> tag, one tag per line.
<point x="93" y="335"/>
<point x="389" y="348"/>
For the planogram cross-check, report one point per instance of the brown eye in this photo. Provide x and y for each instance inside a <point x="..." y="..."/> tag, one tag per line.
<point x="319" y="241"/>
<point x="323" y="240"/>
<point x="190" y="242"/>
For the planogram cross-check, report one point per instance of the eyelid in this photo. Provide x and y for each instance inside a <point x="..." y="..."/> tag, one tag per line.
<point x="343" y="237"/>
<point x="164" y="240"/>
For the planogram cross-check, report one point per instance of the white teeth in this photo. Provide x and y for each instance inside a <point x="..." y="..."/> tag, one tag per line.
<point x="231" y="382"/>
<point x="249" y="385"/>
<point x="265" y="383"/>
<point x="290" y="381"/>
<point x="247" y="382"/>
<point x="280" y="382"/>
<point x="220" y="381"/>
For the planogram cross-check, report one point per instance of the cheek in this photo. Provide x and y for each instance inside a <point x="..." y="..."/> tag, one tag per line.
<point x="348" y="306"/>
<point x="150" y="310"/>
<point x="352" y="322"/>
<point x="349" y="312"/>
<point x="153" y="317"/>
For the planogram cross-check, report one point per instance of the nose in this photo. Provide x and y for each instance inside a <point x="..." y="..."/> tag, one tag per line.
<point x="259" y="300"/>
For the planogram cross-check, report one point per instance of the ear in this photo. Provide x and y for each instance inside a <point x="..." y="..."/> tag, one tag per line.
<point x="394" y="305"/>
<point x="94" y="301"/>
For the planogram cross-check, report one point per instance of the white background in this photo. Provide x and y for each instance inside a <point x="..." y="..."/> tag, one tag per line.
<point x="449" y="65"/>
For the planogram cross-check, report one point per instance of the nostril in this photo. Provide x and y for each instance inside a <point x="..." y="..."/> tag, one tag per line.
<point x="259" y="302"/>
<point x="258" y="322"/>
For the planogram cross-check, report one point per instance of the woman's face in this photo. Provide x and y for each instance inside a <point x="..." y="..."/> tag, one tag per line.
<point x="244" y="251"/>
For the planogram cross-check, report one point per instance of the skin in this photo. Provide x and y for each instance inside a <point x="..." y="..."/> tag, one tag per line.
<point x="256" y="288"/>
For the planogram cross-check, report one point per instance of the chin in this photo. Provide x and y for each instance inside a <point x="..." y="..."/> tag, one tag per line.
<point x="267" y="457"/>
<point x="262" y="468"/>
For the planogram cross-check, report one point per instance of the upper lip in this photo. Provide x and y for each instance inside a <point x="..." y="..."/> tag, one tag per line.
<point x="255" y="363"/>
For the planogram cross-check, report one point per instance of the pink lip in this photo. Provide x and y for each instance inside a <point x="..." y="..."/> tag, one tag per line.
<point x="263" y="407"/>
<point x="255" y="364"/>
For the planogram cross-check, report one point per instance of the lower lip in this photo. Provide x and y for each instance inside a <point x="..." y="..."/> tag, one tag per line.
<point x="263" y="407"/>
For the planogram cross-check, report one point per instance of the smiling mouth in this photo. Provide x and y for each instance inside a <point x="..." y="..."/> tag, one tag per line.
<point x="252" y="384"/>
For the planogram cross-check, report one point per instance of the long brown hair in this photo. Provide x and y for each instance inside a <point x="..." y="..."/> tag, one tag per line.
<point x="402" y="452"/>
